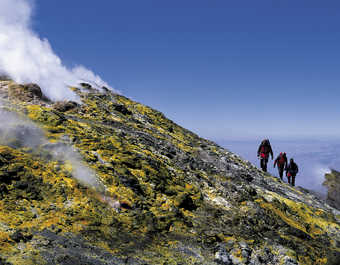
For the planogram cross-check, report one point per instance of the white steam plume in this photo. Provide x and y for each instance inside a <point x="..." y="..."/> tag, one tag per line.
<point x="25" y="57"/>
<point x="17" y="132"/>
<point x="80" y="171"/>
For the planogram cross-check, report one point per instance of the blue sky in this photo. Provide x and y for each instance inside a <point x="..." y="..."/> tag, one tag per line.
<point x="224" y="69"/>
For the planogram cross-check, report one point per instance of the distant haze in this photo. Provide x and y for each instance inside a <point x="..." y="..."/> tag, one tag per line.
<point x="314" y="158"/>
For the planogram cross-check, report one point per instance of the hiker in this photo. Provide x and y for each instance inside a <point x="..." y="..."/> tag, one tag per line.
<point x="263" y="153"/>
<point x="282" y="163"/>
<point x="291" y="171"/>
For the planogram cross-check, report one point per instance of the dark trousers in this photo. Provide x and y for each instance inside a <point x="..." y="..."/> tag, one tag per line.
<point x="291" y="179"/>
<point x="264" y="162"/>
<point x="280" y="169"/>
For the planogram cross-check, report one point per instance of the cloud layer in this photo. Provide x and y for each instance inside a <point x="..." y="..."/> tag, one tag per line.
<point x="25" y="57"/>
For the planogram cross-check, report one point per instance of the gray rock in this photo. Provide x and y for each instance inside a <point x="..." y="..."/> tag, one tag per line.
<point x="222" y="257"/>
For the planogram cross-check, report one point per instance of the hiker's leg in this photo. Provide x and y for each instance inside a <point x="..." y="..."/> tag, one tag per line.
<point x="265" y="164"/>
<point x="262" y="164"/>
<point x="293" y="180"/>
<point x="281" y="172"/>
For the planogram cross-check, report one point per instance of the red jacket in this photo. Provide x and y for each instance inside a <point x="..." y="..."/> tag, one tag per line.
<point x="264" y="150"/>
<point x="281" y="161"/>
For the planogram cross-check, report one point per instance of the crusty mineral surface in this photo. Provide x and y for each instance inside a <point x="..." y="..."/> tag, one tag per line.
<point x="111" y="181"/>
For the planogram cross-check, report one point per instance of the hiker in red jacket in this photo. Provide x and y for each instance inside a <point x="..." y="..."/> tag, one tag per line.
<point x="282" y="163"/>
<point x="291" y="171"/>
<point x="263" y="153"/>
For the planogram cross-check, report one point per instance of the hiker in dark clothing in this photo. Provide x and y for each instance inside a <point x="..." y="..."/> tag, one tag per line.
<point x="282" y="163"/>
<point x="291" y="171"/>
<point x="263" y="153"/>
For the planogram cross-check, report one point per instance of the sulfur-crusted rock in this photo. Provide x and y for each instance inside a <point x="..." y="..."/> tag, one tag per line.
<point x="111" y="181"/>
<point x="27" y="92"/>
<point x="34" y="90"/>
<point x="64" y="106"/>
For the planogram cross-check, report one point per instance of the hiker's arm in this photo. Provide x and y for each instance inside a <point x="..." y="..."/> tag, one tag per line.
<point x="258" y="150"/>
<point x="271" y="152"/>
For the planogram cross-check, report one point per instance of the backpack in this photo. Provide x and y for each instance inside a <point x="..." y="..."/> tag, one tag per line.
<point x="265" y="149"/>
<point x="281" y="160"/>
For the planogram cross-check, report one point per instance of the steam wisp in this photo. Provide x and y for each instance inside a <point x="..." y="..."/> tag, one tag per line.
<point x="27" y="58"/>
<point x="18" y="132"/>
<point x="80" y="171"/>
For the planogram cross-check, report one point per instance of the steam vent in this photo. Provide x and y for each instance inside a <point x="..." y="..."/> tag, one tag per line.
<point x="107" y="180"/>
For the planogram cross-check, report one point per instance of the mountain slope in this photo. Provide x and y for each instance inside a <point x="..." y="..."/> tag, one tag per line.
<point x="111" y="181"/>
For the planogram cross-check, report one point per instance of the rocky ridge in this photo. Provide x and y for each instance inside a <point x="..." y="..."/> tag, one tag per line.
<point x="332" y="183"/>
<point x="144" y="191"/>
